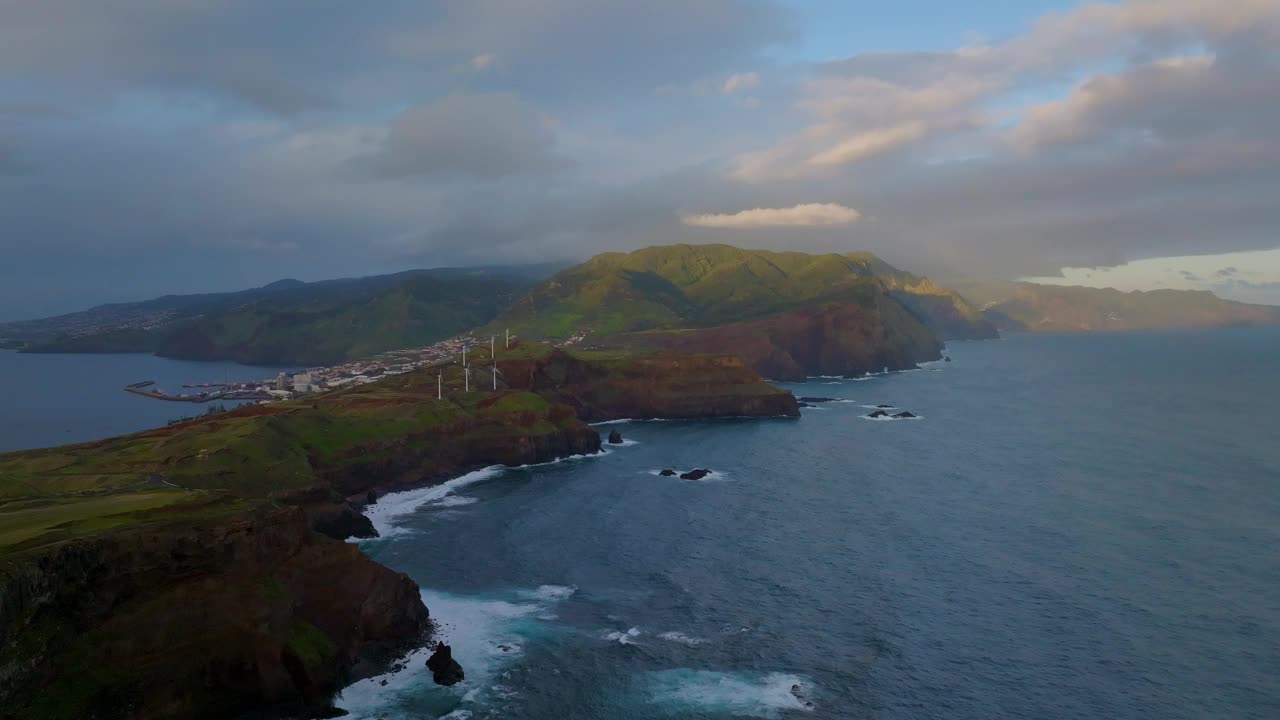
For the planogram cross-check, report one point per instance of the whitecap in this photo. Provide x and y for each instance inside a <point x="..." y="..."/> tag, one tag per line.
<point x="486" y="635"/>
<point x="630" y="420"/>
<point x="622" y="637"/>
<point x="889" y="418"/>
<point x="568" y="458"/>
<point x="739" y="693"/>
<point x="681" y="638"/>
<point x="391" y="507"/>
<point x="455" y="501"/>
<point x="550" y="592"/>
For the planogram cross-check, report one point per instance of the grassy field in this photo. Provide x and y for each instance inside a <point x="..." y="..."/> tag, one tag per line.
<point x="23" y="523"/>
<point x="250" y="453"/>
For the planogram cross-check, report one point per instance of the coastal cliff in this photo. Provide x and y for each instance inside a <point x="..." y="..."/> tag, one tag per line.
<point x="202" y="620"/>
<point x="834" y="339"/>
<point x="787" y="314"/>
<point x="195" y="570"/>
<point x="670" y="385"/>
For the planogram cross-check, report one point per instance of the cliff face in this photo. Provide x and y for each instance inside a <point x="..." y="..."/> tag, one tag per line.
<point x="513" y="438"/>
<point x="658" y="385"/>
<point x="833" y="339"/>
<point x="201" y="621"/>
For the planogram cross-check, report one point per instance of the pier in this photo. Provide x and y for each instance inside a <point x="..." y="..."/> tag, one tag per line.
<point x="144" y="390"/>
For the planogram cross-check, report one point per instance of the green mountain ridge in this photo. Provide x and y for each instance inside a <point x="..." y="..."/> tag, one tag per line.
<point x="685" y="286"/>
<point x="289" y="322"/>
<point x="787" y="313"/>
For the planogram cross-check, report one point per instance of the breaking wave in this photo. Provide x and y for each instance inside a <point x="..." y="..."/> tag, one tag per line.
<point x="685" y="690"/>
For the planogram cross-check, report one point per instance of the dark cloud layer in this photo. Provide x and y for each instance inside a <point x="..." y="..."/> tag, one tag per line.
<point x="153" y="146"/>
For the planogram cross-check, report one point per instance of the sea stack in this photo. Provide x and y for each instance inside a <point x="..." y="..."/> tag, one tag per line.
<point x="615" y="437"/>
<point x="444" y="669"/>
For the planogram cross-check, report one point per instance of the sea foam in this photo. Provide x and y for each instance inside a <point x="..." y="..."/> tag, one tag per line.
<point x="622" y="637"/>
<point x="392" y="507"/>
<point x="681" y="638"/>
<point x="486" y="635"/>
<point x="737" y="693"/>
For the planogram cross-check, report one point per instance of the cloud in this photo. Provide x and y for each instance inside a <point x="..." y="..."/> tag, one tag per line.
<point x="803" y="215"/>
<point x="869" y="144"/>
<point x="1227" y="272"/>
<point x="479" y="136"/>
<point x="1147" y="98"/>
<point x="739" y="81"/>
<point x="443" y="133"/>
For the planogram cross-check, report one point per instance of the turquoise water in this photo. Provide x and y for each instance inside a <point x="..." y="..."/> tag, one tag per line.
<point x="55" y="399"/>
<point x="1077" y="527"/>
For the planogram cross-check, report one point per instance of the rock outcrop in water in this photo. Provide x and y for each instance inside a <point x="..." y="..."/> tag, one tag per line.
<point x="615" y="437"/>
<point x="695" y="474"/>
<point x="444" y="669"/>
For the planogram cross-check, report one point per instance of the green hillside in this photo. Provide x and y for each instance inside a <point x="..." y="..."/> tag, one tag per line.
<point x="316" y="324"/>
<point x="1061" y="308"/>
<point x="698" y="286"/>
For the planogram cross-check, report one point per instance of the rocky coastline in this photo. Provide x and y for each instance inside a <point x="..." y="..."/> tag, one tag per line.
<point x="245" y="599"/>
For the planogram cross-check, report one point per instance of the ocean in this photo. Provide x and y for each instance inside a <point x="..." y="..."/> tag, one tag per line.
<point x="56" y="399"/>
<point x="1077" y="526"/>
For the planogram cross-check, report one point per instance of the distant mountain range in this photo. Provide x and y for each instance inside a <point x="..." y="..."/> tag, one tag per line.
<point x="289" y="322"/>
<point x="789" y="314"/>
<point x="1021" y="306"/>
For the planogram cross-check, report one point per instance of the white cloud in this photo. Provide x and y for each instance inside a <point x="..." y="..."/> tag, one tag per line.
<point x="803" y="215"/>
<point x="484" y="61"/>
<point x="739" y="81"/>
<point x="869" y="144"/>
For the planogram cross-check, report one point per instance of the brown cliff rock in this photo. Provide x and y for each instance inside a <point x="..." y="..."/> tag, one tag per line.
<point x="840" y="338"/>
<point x="233" y="614"/>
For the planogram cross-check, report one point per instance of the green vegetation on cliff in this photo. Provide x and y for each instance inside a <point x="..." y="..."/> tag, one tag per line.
<point x="683" y="286"/>
<point x="786" y="313"/>
<point x="1060" y="308"/>
<point x="288" y="323"/>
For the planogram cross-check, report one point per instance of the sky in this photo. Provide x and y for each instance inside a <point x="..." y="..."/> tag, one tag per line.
<point x="157" y="146"/>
